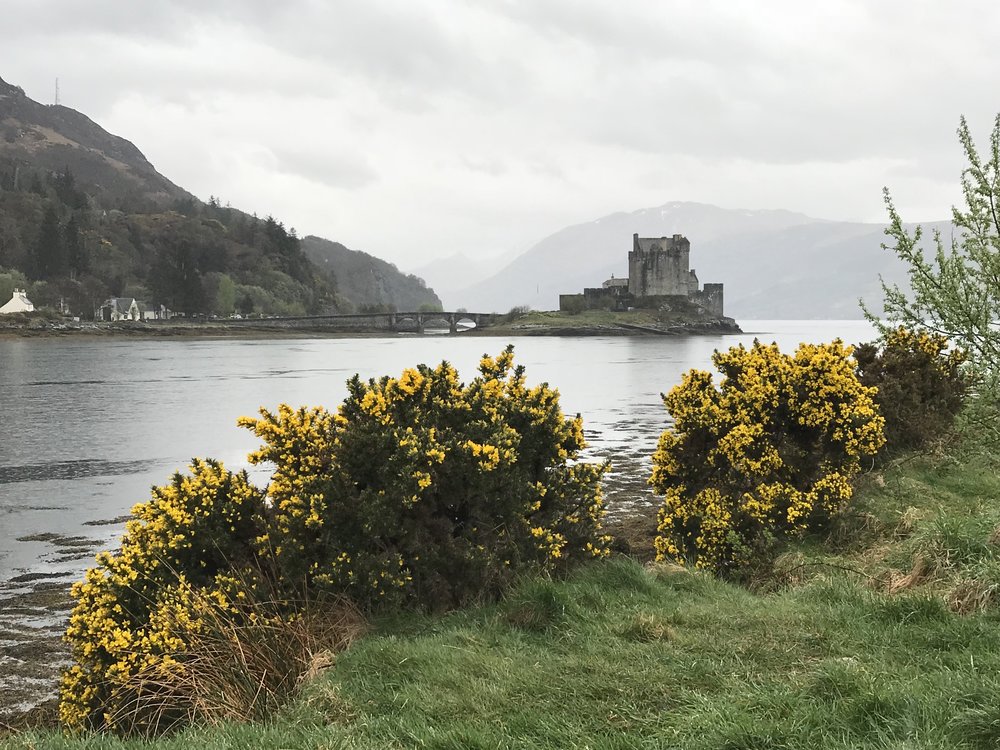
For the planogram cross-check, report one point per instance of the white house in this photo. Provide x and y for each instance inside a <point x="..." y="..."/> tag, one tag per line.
<point x="119" y="308"/>
<point x="19" y="302"/>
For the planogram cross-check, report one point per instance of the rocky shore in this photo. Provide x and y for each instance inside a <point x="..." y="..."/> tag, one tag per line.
<point x="714" y="327"/>
<point x="534" y="324"/>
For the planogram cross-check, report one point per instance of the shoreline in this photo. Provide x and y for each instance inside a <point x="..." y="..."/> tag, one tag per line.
<point x="278" y="330"/>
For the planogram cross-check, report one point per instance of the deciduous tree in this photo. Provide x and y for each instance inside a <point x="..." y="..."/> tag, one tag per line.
<point x="954" y="287"/>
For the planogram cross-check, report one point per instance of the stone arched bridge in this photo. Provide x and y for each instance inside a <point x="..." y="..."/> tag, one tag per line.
<point x="412" y="322"/>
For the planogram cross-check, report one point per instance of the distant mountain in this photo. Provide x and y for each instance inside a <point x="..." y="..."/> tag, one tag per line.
<point x="368" y="282"/>
<point x="84" y="216"/>
<point x="455" y="273"/>
<point x="775" y="264"/>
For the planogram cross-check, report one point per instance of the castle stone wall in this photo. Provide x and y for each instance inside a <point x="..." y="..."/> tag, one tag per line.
<point x="710" y="299"/>
<point x="658" y="266"/>
<point x="604" y="298"/>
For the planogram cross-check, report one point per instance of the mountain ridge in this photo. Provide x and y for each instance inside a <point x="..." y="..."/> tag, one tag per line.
<point x="774" y="263"/>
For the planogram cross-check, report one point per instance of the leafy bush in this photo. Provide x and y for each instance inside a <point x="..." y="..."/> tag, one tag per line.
<point x="921" y="385"/>
<point x="516" y="312"/>
<point x="574" y="304"/>
<point x="952" y="286"/>
<point x="418" y="491"/>
<point x="424" y="490"/>
<point x="769" y="453"/>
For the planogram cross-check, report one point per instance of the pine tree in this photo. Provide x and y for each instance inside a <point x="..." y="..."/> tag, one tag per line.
<point x="76" y="256"/>
<point x="49" y="257"/>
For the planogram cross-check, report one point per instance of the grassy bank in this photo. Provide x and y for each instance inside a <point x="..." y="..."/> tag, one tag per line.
<point x="886" y="635"/>
<point x="605" y="323"/>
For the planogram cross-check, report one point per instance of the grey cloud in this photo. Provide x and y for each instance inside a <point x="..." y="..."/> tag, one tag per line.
<point x="95" y="82"/>
<point x="883" y="81"/>
<point x="600" y="97"/>
<point x="834" y="112"/>
<point x="401" y="49"/>
<point x="544" y="167"/>
<point x="46" y="20"/>
<point x="325" y="166"/>
<point x="639" y="29"/>
<point x="396" y="44"/>
<point x="486" y="165"/>
<point x="402" y="46"/>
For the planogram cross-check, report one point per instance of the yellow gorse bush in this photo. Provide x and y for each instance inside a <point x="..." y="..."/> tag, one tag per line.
<point x="423" y="489"/>
<point x="770" y="452"/>
<point x="419" y="490"/>
<point x="132" y="615"/>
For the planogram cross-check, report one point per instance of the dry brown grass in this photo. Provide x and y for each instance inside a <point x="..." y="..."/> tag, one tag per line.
<point x="240" y="669"/>
<point x="908" y="521"/>
<point x="634" y="533"/>
<point x="994" y="539"/>
<point x="898" y="581"/>
<point x="971" y="595"/>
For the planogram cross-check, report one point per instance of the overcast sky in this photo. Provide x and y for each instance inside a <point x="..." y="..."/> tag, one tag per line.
<point x="415" y="129"/>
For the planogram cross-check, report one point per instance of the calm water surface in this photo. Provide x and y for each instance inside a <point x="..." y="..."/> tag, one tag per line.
<point x="88" y="425"/>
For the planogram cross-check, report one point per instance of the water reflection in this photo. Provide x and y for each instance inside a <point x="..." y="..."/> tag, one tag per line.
<point x="70" y="470"/>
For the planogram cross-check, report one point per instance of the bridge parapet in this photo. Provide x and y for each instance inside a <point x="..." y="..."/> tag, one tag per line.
<point x="452" y="319"/>
<point x="387" y="321"/>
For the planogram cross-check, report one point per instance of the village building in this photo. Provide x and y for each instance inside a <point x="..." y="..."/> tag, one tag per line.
<point x="19" y="302"/>
<point x="155" y="312"/>
<point x="659" y="277"/>
<point x="117" y="309"/>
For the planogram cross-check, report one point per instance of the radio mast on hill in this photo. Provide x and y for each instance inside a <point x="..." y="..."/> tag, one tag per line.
<point x="57" y="92"/>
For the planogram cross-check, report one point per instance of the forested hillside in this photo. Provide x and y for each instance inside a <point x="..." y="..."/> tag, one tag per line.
<point x="84" y="217"/>
<point x="369" y="283"/>
<point x="60" y="243"/>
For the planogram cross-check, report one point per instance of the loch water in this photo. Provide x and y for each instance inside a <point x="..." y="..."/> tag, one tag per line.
<point x="88" y="425"/>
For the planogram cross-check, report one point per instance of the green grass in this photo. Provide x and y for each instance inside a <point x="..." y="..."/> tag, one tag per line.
<point x="835" y="652"/>
<point x="924" y="525"/>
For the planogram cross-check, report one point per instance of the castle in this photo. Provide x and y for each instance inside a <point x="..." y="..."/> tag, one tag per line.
<point x="658" y="277"/>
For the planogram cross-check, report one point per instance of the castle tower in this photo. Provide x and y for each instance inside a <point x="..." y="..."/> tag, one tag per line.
<point x="659" y="266"/>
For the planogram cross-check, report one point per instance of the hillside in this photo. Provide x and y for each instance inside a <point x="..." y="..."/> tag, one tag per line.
<point x="58" y="139"/>
<point x="84" y="216"/>
<point x="775" y="264"/>
<point x="59" y="241"/>
<point x="367" y="282"/>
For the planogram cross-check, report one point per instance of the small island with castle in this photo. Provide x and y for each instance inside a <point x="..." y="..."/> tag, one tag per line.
<point x="661" y="295"/>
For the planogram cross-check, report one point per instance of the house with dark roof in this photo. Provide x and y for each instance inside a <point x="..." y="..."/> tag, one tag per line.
<point x="119" y="308"/>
